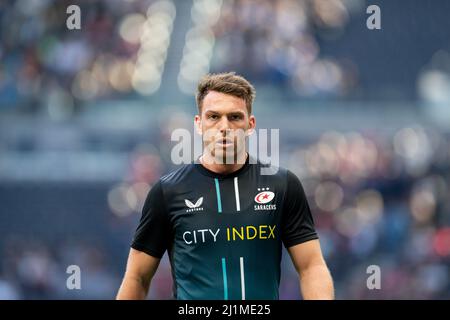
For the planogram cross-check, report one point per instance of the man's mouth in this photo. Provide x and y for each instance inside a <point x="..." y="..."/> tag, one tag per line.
<point x="224" y="142"/>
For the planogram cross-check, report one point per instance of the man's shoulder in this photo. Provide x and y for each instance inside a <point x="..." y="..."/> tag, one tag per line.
<point x="176" y="176"/>
<point x="268" y="169"/>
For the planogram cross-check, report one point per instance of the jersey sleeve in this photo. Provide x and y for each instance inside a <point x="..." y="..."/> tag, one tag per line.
<point x="152" y="233"/>
<point x="297" y="222"/>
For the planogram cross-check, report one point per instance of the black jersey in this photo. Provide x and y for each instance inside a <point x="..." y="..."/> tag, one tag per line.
<point x="224" y="233"/>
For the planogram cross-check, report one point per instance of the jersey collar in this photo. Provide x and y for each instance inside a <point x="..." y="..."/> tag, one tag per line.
<point x="213" y="174"/>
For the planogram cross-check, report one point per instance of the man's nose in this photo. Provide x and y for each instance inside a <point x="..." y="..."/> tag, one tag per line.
<point x="224" y="126"/>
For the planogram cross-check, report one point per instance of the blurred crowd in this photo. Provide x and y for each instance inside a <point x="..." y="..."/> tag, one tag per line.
<point x="43" y="63"/>
<point x="278" y="41"/>
<point x="382" y="200"/>
<point x="38" y="270"/>
<point x="308" y="48"/>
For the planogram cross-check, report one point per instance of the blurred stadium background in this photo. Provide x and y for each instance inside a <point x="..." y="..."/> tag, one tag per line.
<point x="86" y="117"/>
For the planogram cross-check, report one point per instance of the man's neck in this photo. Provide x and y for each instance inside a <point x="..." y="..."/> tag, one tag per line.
<point x="223" y="168"/>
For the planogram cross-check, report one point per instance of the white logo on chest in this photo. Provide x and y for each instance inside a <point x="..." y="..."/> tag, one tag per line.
<point x="194" y="206"/>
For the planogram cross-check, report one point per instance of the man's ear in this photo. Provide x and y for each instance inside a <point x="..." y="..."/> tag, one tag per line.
<point x="252" y="125"/>
<point x="198" y="124"/>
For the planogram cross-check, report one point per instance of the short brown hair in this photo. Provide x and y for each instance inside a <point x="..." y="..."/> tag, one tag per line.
<point x="229" y="83"/>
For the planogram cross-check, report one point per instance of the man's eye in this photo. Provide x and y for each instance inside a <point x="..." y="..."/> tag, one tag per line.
<point x="236" y="117"/>
<point x="213" y="117"/>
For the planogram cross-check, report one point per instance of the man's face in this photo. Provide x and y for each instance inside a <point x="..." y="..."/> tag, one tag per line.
<point x="224" y="123"/>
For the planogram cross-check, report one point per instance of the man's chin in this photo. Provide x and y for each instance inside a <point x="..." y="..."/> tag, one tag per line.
<point x="227" y="157"/>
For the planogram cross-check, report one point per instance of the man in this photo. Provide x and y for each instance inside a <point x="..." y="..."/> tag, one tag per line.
<point x="222" y="222"/>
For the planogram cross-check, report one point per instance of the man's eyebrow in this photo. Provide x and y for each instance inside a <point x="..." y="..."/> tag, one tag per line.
<point x="233" y="113"/>
<point x="212" y="111"/>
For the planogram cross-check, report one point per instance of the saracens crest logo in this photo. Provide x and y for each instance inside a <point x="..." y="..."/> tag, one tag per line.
<point x="263" y="198"/>
<point x="194" y="207"/>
